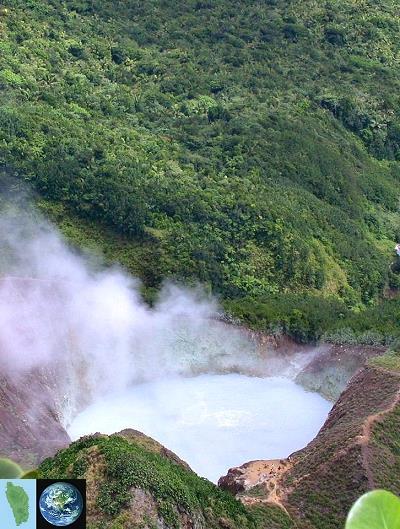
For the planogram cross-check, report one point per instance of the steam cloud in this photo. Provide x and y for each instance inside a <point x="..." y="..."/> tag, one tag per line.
<point x="58" y="311"/>
<point x="103" y="349"/>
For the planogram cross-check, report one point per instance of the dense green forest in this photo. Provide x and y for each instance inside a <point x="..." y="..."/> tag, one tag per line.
<point x="252" y="146"/>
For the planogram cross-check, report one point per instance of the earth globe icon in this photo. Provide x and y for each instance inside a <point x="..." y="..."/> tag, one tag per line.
<point x="61" y="504"/>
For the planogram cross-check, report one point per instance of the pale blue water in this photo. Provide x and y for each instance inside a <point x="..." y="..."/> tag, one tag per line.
<point x="213" y="422"/>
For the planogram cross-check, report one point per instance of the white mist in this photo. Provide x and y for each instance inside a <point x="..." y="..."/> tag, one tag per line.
<point x="115" y="363"/>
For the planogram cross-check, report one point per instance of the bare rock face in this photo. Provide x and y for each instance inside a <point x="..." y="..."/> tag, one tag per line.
<point x="330" y="370"/>
<point x="325" y="368"/>
<point x="235" y="480"/>
<point x="356" y="450"/>
<point x="256" y="480"/>
<point x="30" y="429"/>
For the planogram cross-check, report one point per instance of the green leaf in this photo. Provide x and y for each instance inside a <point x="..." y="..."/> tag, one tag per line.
<point x="9" y="469"/>
<point x="378" y="509"/>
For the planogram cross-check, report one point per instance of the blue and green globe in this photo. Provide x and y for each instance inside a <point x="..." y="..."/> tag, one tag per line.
<point x="61" y="504"/>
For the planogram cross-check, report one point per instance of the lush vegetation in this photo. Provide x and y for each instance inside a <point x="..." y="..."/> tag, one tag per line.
<point x="116" y="467"/>
<point x="389" y="361"/>
<point x="252" y="146"/>
<point x="309" y="318"/>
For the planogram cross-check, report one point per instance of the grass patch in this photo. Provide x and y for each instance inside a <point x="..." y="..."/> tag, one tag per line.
<point x="174" y="489"/>
<point x="391" y="362"/>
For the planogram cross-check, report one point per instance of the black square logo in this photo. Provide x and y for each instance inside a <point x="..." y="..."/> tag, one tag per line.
<point x="61" y="503"/>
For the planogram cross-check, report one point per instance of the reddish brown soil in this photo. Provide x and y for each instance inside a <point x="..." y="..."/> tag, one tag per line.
<point x="341" y="463"/>
<point x="30" y="429"/>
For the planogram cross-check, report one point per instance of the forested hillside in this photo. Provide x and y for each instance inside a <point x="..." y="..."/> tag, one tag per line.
<point x="252" y="146"/>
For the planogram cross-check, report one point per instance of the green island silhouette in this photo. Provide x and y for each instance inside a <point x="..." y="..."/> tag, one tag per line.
<point x="19" y="502"/>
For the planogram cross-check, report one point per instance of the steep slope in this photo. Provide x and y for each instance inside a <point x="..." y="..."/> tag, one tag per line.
<point x="252" y="146"/>
<point x="30" y="428"/>
<point x="331" y="370"/>
<point x="134" y="482"/>
<point x="356" y="450"/>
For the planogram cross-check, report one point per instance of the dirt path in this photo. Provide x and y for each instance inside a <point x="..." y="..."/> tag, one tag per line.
<point x="365" y="437"/>
<point x="267" y="476"/>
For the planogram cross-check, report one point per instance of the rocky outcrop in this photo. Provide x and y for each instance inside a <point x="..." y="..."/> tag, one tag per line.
<point x="330" y="370"/>
<point x="325" y="368"/>
<point x="257" y="482"/>
<point x="356" y="450"/>
<point x="134" y="482"/>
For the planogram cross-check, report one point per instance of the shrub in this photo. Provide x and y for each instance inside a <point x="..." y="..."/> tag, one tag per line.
<point x="294" y="32"/>
<point x="335" y="36"/>
<point x="342" y="336"/>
